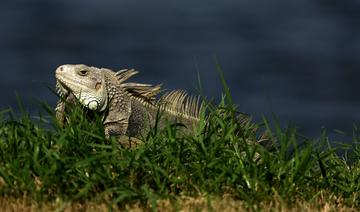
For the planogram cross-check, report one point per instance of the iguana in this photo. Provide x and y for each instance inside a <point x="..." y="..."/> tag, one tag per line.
<point x="130" y="108"/>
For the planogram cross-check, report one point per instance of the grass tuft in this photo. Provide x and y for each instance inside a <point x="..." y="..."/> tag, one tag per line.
<point x="46" y="163"/>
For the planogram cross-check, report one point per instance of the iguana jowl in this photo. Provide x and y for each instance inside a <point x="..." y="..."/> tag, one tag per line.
<point x="129" y="108"/>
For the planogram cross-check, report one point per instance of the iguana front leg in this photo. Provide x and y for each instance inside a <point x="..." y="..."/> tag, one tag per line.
<point x="116" y="122"/>
<point x="119" y="129"/>
<point x="115" y="128"/>
<point x="60" y="110"/>
<point x="60" y="113"/>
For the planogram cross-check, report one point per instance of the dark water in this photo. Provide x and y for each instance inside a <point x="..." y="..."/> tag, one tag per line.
<point x="298" y="59"/>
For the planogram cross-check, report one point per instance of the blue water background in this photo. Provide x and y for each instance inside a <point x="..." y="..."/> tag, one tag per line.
<point x="299" y="60"/>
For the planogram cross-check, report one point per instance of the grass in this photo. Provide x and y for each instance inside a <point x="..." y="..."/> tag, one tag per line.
<point x="220" y="167"/>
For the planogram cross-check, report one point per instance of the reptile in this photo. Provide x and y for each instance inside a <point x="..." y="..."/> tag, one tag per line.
<point x="129" y="108"/>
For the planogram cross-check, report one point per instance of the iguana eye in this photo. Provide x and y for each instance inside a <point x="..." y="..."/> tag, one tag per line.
<point x="83" y="72"/>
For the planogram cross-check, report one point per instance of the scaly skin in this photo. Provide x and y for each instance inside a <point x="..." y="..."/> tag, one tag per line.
<point x="130" y="108"/>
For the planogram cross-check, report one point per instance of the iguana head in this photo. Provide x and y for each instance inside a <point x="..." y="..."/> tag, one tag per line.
<point x="86" y="83"/>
